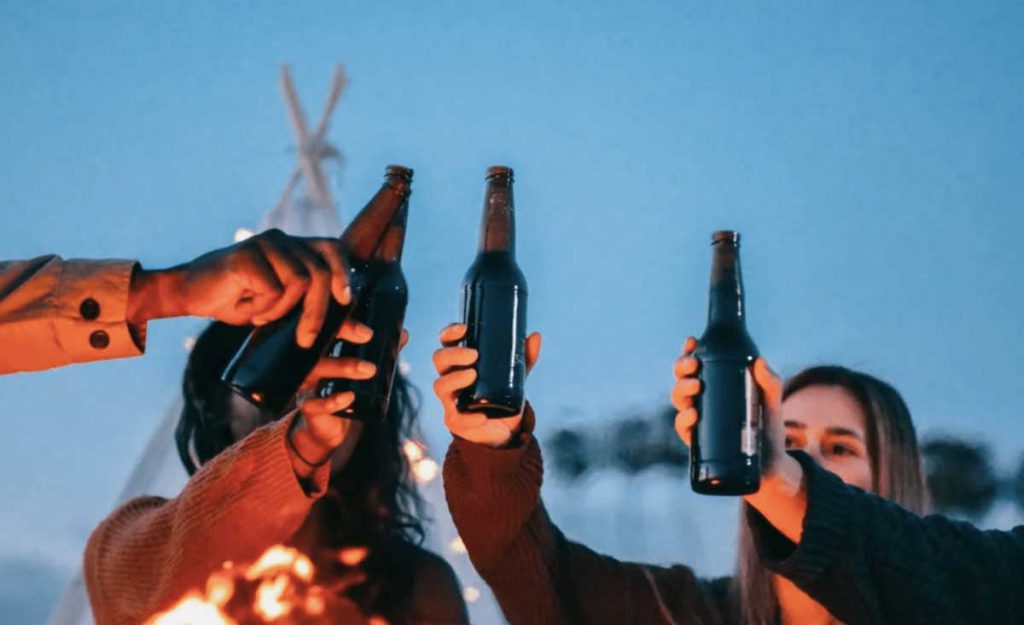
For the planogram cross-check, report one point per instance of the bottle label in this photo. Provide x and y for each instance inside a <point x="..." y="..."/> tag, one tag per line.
<point x="751" y="428"/>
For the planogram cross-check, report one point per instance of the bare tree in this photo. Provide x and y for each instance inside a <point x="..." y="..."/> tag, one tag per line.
<point x="960" y="476"/>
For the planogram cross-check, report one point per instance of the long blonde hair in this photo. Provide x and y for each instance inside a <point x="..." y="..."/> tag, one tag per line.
<point x="895" y="463"/>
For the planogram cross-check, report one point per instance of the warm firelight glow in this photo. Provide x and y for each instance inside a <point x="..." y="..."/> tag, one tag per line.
<point x="280" y="558"/>
<point x="220" y="587"/>
<point x="377" y="620"/>
<point x="315" y="603"/>
<point x="277" y="588"/>
<point x="242" y="234"/>
<point x="353" y="556"/>
<point x="194" y="609"/>
<point x="271" y="602"/>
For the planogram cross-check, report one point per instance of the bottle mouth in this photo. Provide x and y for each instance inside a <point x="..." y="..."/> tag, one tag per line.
<point x="725" y="236"/>
<point x="403" y="172"/>
<point x="499" y="170"/>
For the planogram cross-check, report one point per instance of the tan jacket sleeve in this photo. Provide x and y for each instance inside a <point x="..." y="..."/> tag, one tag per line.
<point x="149" y="552"/>
<point x="55" y="312"/>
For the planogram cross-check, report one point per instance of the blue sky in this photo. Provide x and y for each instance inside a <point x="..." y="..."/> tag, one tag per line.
<point x="870" y="153"/>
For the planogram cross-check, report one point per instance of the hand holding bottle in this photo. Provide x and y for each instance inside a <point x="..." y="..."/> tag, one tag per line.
<point x="252" y="282"/>
<point x="319" y="431"/>
<point x="455" y="365"/>
<point x="780" y="498"/>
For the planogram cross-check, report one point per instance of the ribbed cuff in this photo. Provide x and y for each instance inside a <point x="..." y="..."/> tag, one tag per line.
<point x="825" y="527"/>
<point x="315" y="485"/>
<point x="490" y="466"/>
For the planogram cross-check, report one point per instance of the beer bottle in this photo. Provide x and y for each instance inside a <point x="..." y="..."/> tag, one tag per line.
<point x="380" y="294"/>
<point x="494" y="308"/>
<point x="724" y="455"/>
<point x="270" y="366"/>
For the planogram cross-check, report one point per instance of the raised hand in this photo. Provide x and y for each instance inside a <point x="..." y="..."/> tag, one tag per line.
<point x="454" y="365"/>
<point x="252" y="282"/>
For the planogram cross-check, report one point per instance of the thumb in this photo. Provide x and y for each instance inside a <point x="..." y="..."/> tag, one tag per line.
<point x="533" y="343"/>
<point x="770" y="383"/>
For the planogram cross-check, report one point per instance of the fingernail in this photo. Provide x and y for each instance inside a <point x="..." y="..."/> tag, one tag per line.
<point x="367" y="368"/>
<point x="346" y="295"/>
<point x="258" y="321"/>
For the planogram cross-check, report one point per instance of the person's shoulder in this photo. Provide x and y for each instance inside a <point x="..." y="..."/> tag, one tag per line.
<point x="437" y="593"/>
<point x="429" y="565"/>
<point x="718" y="589"/>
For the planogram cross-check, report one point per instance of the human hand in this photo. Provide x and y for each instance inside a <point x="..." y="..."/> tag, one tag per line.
<point x="252" y="282"/>
<point x="454" y="365"/>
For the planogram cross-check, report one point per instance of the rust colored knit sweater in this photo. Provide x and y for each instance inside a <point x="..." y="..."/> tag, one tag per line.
<point x="539" y="576"/>
<point x="149" y="552"/>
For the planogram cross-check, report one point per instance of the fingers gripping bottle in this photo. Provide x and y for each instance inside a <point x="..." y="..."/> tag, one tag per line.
<point x="269" y="367"/>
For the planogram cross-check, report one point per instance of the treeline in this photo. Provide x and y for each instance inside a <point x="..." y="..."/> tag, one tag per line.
<point x="959" y="472"/>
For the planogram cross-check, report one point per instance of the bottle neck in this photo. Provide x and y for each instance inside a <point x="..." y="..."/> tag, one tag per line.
<point x="725" y="297"/>
<point x="390" y="248"/>
<point x="498" y="228"/>
<point x="368" y="230"/>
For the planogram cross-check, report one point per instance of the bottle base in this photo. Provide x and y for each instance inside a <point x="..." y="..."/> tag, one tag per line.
<point x="489" y="408"/>
<point x="726" y="478"/>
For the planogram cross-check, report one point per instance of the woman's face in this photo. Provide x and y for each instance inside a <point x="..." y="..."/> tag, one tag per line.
<point x="828" y="424"/>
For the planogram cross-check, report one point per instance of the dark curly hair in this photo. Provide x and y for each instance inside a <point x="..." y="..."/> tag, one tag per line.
<point x="374" y="501"/>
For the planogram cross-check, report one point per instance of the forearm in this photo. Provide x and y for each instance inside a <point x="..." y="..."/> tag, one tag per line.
<point x="494" y="499"/>
<point x="867" y="560"/>
<point x="55" y="312"/>
<point x="537" y="575"/>
<point x="156" y="294"/>
<point x="782" y="498"/>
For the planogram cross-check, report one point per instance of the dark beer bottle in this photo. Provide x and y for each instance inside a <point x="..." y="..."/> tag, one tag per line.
<point x="724" y="456"/>
<point x="380" y="294"/>
<point x="494" y="308"/>
<point x="270" y="366"/>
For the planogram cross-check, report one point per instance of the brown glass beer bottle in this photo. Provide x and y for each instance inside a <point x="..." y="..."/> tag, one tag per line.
<point x="494" y="308"/>
<point x="270" y="366"/>
<point x="725" y="452"/>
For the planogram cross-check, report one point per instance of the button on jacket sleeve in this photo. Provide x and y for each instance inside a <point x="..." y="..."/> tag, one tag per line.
<point x="55" y="312"/>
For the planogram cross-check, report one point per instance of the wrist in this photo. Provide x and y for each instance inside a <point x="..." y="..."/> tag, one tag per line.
<point x="782" y="498"/>
<point x="156" y="294"/>
<point x="306" y="448"/>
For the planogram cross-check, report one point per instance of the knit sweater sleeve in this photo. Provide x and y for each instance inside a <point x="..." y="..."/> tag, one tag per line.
<point x="537" y="575"/>
<point x="869" y="561"/>
<point x="151" y="551"/>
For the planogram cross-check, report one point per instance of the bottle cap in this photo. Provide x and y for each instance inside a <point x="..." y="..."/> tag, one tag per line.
<point x="401" y="171"/>
<point x="726" y="236"/>
<point x="499" y="170"/>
